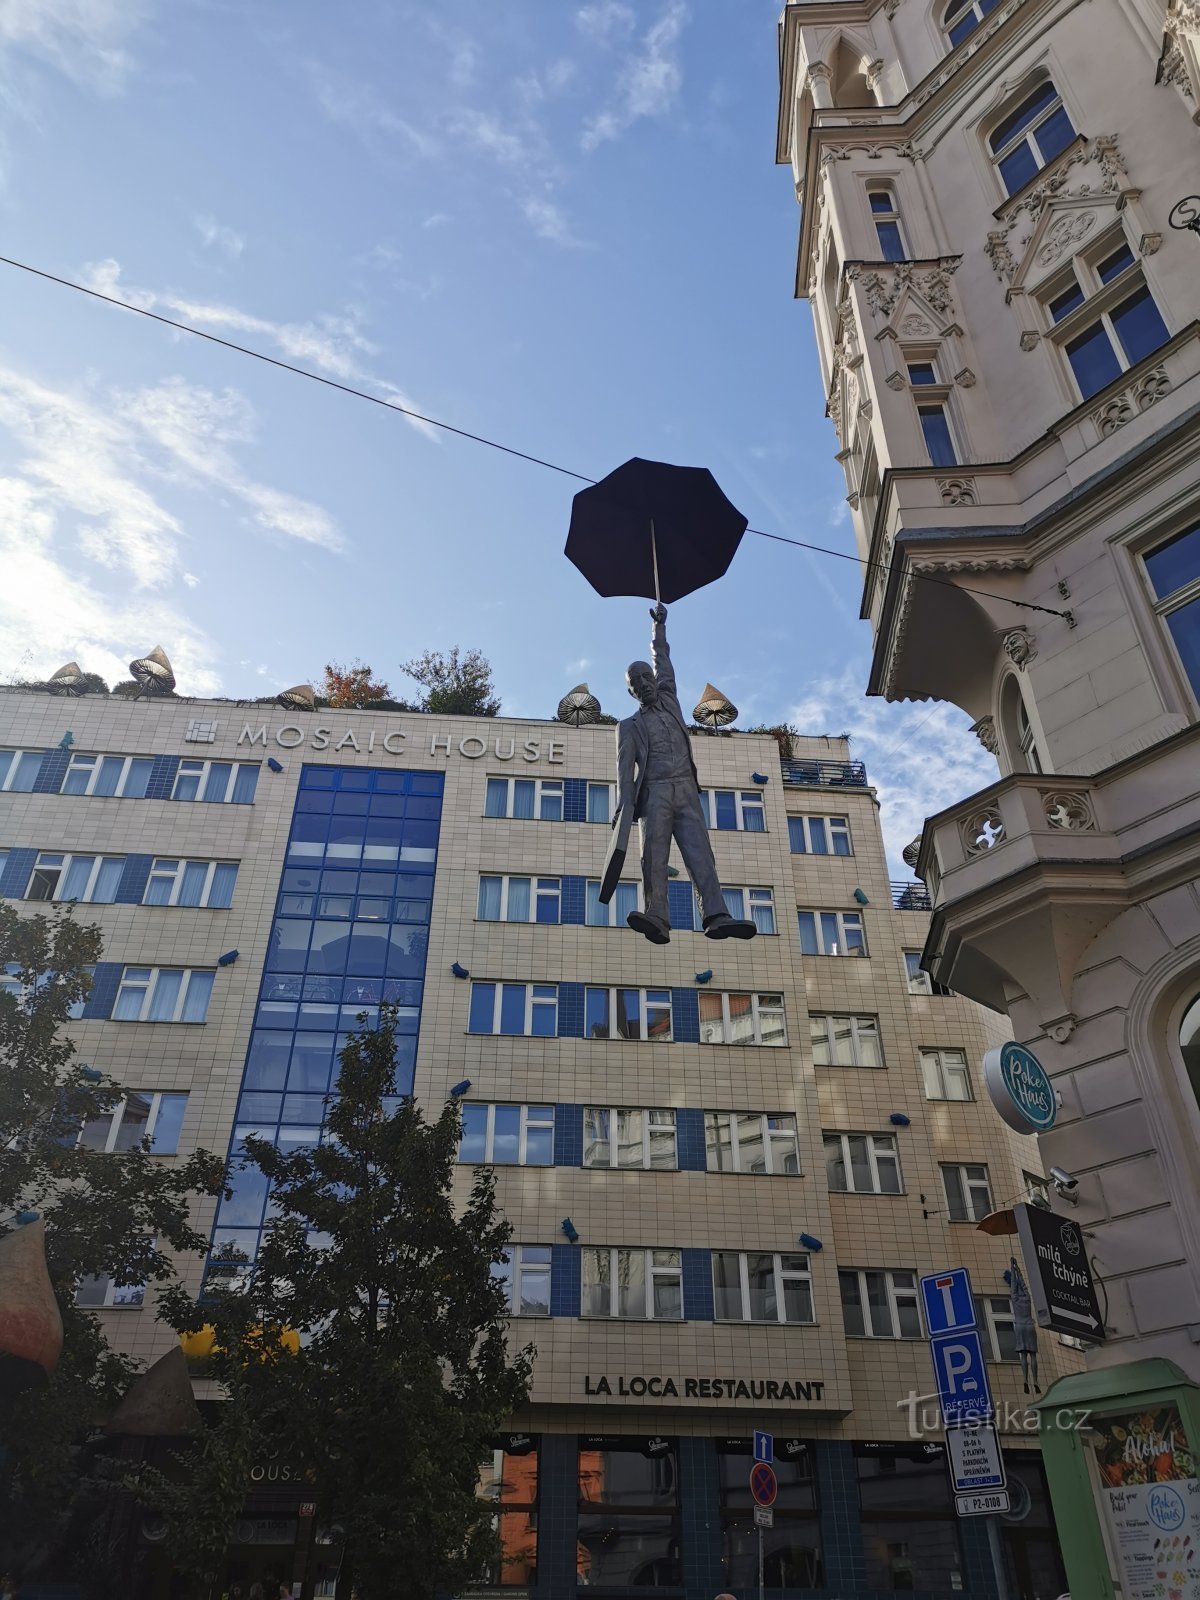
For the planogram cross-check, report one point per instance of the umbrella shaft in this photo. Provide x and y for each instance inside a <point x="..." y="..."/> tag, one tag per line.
<point x="654" y="559"/>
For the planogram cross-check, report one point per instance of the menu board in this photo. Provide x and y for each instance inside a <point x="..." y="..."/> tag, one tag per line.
<point x="1151" y="1500"/>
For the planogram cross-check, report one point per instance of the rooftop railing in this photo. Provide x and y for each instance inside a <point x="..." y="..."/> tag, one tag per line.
<point x="824" y="774"/>
<point x="910" y="897"/>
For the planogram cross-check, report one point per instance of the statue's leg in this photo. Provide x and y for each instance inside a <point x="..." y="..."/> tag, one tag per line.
<point x="691" y="833"/>
<point x="1034" y="1361"/>
<point x="655" y="825"/>
<point x="1024" y="1356"/>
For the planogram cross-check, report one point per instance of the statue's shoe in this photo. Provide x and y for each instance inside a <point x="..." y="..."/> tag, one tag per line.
<point x="723" y="926"/>
<point x="654" y="931"/>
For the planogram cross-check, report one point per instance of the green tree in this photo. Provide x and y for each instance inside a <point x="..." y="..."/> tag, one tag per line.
<point x="403" y="1376"/>
<point x="123" y="1215"/>
<point x="351" y="688"/>
<point x="458" y="684"/>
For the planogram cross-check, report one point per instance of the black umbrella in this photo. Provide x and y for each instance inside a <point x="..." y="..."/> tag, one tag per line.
<point x="654" y="530"/>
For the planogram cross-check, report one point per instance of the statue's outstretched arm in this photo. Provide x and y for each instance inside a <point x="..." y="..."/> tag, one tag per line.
<point x="660" y="650"/>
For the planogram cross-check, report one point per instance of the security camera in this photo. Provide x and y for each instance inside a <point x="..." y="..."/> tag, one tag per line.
<point x="1066" y="1184"/>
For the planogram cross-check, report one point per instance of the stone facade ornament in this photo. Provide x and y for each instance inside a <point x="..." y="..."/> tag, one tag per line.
<point x="1019" y="646"/>
<point x="1069" y="810"/>
<point x="1030" y="339"/>
<point x="981" y="830"/>
<point x="1129" y="403"/>
<point x="985" y="731"/>
<point x="915" y="327"/>
<point x="965" y="379"/>
<point x="1064" y="234"/>
<point x="997" y="251"/>
<point x="1061" y="1028"/>
<point x="957" y="491"/>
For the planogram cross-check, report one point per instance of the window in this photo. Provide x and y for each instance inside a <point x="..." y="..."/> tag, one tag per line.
<point x="1037" y="1188"/>
<point x="618" y="1282"/>
<point x="922" y="373"/>
<point x="831" y="933"/>
<point x="968" y="1194"/>
<point x="741" y="1019"/>
<point x="994" y="1312"/>
<point x="909" y="1529"/>
<point x="174" y="882"/>
<point x="506" y="899"/>
<point x="140" y="1115"/>
<point x="163" y="994"/>
<point x="616" y="1136"/>
<point x="509" y="1482"/>
<point x="628" y="1531"/>
<point x="886" y="216"/>
<point x="964" y="16"/>
<point x="738" y="810"/>
<point x="101" y="1293"/>
<point x="862" y="1163"/>
<point x="761" y="1288"/>
<point x="524" y="1275"/>
<point x="880" y="1304"/>
<point x="10" y="981"/>
<point x="19" y="770"/>
<point x="751" y="1141"/>
<point x="1173" y="569"/>
<point x="748" y="905"/>
<point x="599" y="802"/>
<point x="516" y="1136"/>
<point x="918" y="980"/>
<point x="77" y="1008"/>
<point x="65" y="877"/>
<point x="525" y="799"/>
<point x="1036" y="131"/>
<point x="792" y="1545"/>
<point x="628" y="1014"/>
<point x="108" y="777"/>
<point x="217" y="782"/>
<point x="945" y="1075"/>
<point x="845" y="1041"/>
<point x="1118" y="339"/>
<point x="819" y="836"/>
<point x="627" y="898"/>
<point x="935" y="426"/>
<point x="515" y="1008"/>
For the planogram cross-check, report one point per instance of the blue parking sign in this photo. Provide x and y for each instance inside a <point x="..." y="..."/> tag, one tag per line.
<point x="947" y="1300"/>
<point x="960" y="1373"/>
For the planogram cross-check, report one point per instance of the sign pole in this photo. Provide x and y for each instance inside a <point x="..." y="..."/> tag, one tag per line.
<point x="760" y="1564"/>
<point x="994" y="1545"/>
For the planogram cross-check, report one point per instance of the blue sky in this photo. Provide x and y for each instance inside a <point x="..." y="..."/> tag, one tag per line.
<point x="554" y="222"/>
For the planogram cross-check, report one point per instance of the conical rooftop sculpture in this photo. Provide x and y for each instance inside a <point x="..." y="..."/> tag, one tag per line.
<point x="153" y="673"/>
<point x="67" y="680"/>
<point x="713" y="710"/>
<point x="299" y="697"/>
<point x="579" y="706"/>
<point x="159" y="1403"/>
<point x="31" y="1330"/>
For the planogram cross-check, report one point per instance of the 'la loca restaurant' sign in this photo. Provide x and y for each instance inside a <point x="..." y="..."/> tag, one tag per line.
<point x="369" y="741"/>
<point x="637" y="1387"/>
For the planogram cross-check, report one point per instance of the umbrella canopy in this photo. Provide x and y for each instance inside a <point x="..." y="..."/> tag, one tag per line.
<point x="578" y="706"/>
<point x="714" y="710"/>
<point x="654" y="530"/>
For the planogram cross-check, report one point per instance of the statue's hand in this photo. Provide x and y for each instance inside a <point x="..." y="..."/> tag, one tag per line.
<point x="658" y="613"/>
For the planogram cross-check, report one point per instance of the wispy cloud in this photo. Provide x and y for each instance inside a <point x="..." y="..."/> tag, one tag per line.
<point x="549" y="221"/>
<point x="215" y="235"/>
<point x="361" y="108"/>
<point x="83" y="39"/>
<point x="606" y="21"/>
<point x="649" y="80"/>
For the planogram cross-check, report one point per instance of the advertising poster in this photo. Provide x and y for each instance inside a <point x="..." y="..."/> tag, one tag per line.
<point x="1151" y="1499"/>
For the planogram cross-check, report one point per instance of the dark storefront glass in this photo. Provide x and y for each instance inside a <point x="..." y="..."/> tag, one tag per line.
<point x="910" y="1532"/>
<point x="792" y="1548"/>
<point x="1028" y="1533"/>
<point x="510" y="1482"/>
<point x="628" y="1526"/>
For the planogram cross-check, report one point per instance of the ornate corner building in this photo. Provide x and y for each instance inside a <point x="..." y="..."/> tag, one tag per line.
<point x="1007" y="329"/>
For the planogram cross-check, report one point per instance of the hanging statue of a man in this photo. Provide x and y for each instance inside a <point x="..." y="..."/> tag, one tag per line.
<point x="658" y="787"/>
<point x="1024" y="1329"/>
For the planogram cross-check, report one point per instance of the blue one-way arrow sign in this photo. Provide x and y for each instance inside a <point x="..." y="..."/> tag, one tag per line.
<point x="764" y="1446"/>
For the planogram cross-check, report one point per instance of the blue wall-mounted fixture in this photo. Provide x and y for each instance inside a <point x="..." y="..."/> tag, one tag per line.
<point x="24" y="1217"/>
<point x="704" y="977"/>
<point x="67" y="740"/>
<point x="460" y="1088"/>
<point x="899" y="1120"/>
<point x="228" y="958"/>
<point x="458" y="970"/>
<point x="90" y="1074"/>
<point x="759" y="777"/>
<point x="810" y="1242"/>
<point x="275" y="766"/>
<point x="569" y="1228"/>
<point x="861" y="898"/>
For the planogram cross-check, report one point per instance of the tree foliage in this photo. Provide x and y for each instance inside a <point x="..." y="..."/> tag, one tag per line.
<point x="404" y="1376"/>
<point x="104" y="1214"/>
<point x="457" y="684"/>
<point x="351" y="688"/>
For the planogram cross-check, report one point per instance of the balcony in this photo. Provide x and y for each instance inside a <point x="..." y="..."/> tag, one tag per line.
<point x="910" y="897"/>
<point x="800" y="774"/>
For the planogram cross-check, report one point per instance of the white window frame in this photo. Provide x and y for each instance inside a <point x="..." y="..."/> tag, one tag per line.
<point x="992" y="1319"/>
<point x="961" y="12"/>
<point x="1099" y="301"/>
<point x="777" y="1142"/>
<point x="82" y="761"/>
<point x="610" y="790"/>
<point x="16" y="757"/>
<point x="518" y="1270"/>
<point x="653" y="1272"/>
<point x="539" y="887"/>
<point x="968" y="1186"/>
<point x="933" y="1057"/>
<point x="610" y="909"/>
<point x="743" y="800"/>
<point x="527" y="1121"/>
<point x="879" y="1145"/>
<point x="129" y="1297"/>
<point x="57" y="860"/>
<point x="659" y="1132"/>
<point x="845" y="919"/>
<point x="1186" y="594"/>
<point x="835" y="827"/>
<point x="918" y="980"/>
<point x="148" y="987"/>
<point x="159" y="870"/>
<point x="761" y="1005"/>
<point x="857" y="1034"/>
<point x="542" y="789"/>
<point x="532" y="999"/>
<point x="644" y="1003"/>
<point x="1028" y="131"/>
<point x="896" y="1292"/>
<point x="10" y="980"/>
<point x="759" y="898"/>
<point x="782" y="1275"/>
<point x="888" y="190"/>
<point x="117" y="1115"/>
<point x="205" y="768"/>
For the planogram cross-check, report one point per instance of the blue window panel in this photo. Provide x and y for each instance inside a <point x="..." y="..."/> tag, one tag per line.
<point x="566" y="1276"/>
<point x="1114" y="265"/>
<point x="512" y="1008"/>
<point x="162" y="778"/>
<point x="1055" y="134"/>
<point x="726" y="809"/>
<point x="483" y="1007"/>
<point x="134" y="880"/>
<point x="681" y="905"/>
<point x="1175" y="564"/>
<point x="568" y="1136"/>
<point x="105" y="981"/>
<point x="1019" y="168"/>
<point x="890" y="241"/>
<point x="1042" y="97"/>
<point x="574" y="801"/>
<point x="796" y="837"/>
<point x="1139" y="328"/>
<point x="937" y="435"/>
<point x="685" y="1016"/>
<point x="16" y="873"/>
<point x="52" y="772"/>
<point x="689" y="1140"/>
<point x="574" y="897"/>
<point x="570" y="1011"/>
<point x="1093" y="360"/>
<point x="697" y="1286"/>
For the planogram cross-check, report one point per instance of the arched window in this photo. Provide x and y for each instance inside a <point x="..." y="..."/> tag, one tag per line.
<point x="885" y="214"/>
<point x="1030" y="135"/>
<point x="964" y="16"/>
<point x="1027" y="742"/>
<point x="1189" y="1044"/>
<point x="1020" y="742"/>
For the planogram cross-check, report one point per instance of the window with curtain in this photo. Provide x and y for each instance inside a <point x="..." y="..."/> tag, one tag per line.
<point x="626" y="898"/>
<point x="163" y="994"/>
<point x="750" y="1287"/>
<point x="176" y="882"/>
<point x="19" y="770"/>
<point x="862" y="1163"/>
<point x="71" y="877"/>
<point x="507" y="1135"/>
<point x="141" y="1114"/>
<point x="505" y="898"/>
<point x="514" y="1008"/>
<point x="108" y="777"/>
<point x="524" y="799"/>
<point x="850" y="1041"/>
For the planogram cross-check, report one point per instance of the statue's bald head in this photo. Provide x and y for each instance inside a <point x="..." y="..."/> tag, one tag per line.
<point x="639" y="676"/>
